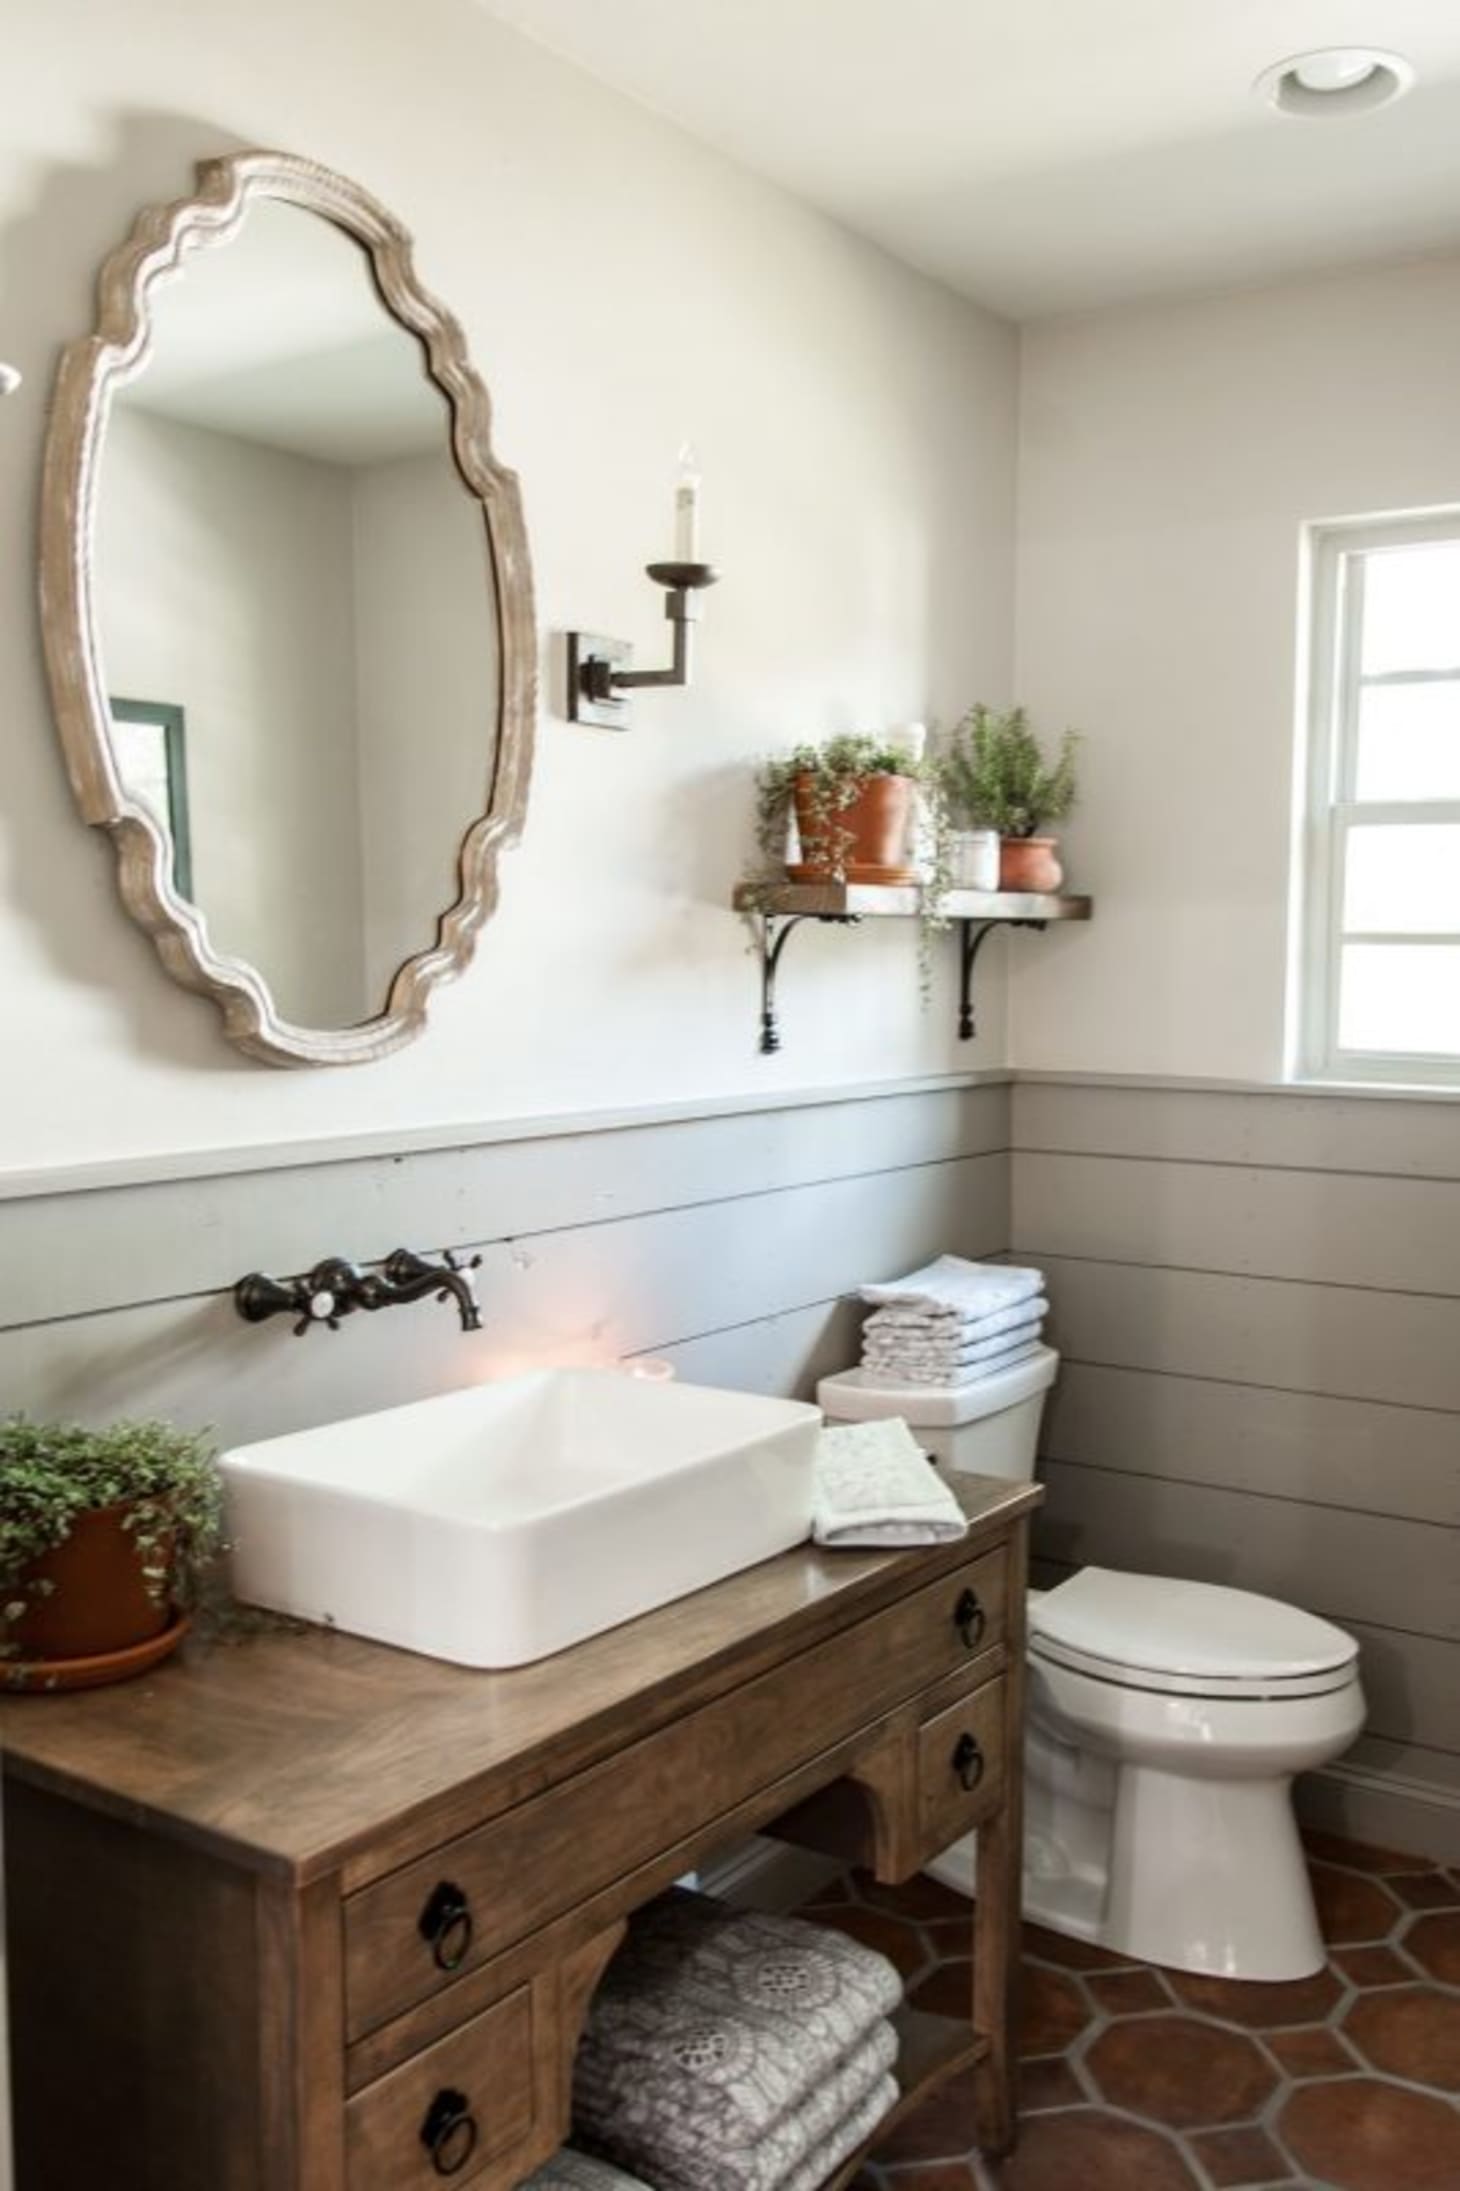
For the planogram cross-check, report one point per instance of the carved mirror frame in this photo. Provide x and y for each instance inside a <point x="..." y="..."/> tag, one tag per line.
<point x="90" y="372"/>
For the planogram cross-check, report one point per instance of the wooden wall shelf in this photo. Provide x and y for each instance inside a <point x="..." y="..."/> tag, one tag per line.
<point x="777" y="912"/>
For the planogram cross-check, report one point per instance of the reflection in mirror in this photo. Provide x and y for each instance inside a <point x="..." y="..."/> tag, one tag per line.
<point x="295" y="609"/>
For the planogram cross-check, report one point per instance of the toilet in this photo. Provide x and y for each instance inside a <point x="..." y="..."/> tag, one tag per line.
<point x="1166" y="1720"/>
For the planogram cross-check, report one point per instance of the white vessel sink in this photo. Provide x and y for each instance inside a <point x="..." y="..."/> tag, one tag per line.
<point x="497" y="1525"/>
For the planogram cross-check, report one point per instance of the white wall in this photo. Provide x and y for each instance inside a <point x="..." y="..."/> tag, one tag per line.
<point x="622" y="290"/>
<point x="1169" y="456"/>
<point x="225" y="584"/>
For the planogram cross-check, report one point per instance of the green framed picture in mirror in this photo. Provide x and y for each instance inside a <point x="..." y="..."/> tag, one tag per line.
<point x="150" y="737"/>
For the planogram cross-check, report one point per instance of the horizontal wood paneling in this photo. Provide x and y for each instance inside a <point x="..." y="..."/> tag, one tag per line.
<point x="1349" y="1228"/>
<point x="1293" y="1445"/>
<point x="1285" y="1127"/>
<point x="1257" y="1298"/>
<point x="1349" y="1567"/>
<point x="1400" y="1348"/>
<point x="595" y="1292"/>
<point x="76" y="1253"/>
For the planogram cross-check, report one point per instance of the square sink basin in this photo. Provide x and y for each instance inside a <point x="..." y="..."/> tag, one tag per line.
<point x="497" y="1525"/>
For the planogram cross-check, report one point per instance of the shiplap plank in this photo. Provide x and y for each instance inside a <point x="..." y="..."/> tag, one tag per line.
<point x="1295" y="1445"/>
<point x="1413" y="1138"/>
<point x="73" y="1254"/>
<point x="784" y="1354"/>
<point x="1391" y="1574"/>
<point x="623" y="1286"/>
<point x="1402" y="1348"/>
<point x="1332" y="1228"/>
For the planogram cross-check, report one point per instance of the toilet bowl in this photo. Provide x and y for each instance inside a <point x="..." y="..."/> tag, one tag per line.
<point x="1166" y="1721"/>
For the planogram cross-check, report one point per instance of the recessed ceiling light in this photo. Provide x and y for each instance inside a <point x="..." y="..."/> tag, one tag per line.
<point x="1334" y="81"/>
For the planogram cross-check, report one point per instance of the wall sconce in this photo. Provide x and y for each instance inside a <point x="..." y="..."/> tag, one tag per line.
<point x="599" y="679"/>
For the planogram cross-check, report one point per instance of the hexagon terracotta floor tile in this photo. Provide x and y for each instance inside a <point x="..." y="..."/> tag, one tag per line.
<point x="1142" y="2080"/>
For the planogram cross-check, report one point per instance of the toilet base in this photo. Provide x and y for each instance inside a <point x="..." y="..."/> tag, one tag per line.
<point x="1222" y="1887"/>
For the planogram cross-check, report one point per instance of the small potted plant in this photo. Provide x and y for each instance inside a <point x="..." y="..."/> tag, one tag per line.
<point x="860" y="805"/>
<point x="105" y="1536"/>
<point x="996" y="777"/>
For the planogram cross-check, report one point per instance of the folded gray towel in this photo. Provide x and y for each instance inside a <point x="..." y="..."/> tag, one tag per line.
<point x="854" y="2130"/>
<point x="724" y="2049"/>
<point x="570" y="2171"/>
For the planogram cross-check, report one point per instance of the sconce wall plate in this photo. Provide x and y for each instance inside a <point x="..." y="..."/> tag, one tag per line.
<point x="589" y="655"/>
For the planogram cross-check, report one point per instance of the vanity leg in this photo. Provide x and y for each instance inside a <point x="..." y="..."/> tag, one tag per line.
<point x="998" y="1904"/>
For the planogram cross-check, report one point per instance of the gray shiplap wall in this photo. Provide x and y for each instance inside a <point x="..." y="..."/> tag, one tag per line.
<point x="1257" y="1297"/>
<point x="723" y="1241"/>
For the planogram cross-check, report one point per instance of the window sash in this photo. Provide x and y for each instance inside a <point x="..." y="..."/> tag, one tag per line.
<point x="1330" y="809"/>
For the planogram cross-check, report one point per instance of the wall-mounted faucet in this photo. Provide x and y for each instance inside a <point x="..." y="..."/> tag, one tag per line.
<point x="335" y="1289"/>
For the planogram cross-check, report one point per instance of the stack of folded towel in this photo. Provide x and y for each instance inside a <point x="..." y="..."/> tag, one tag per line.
<point x="952" y="1323"/>
<point x="729" y="2051"/>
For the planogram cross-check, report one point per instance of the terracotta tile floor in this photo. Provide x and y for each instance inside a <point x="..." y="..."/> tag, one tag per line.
<point x="1138" y="2079"/>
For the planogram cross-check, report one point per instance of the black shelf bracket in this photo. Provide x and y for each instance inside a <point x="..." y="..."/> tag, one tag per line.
<point x="774" y="932"/>
<point x="971" y="937"/>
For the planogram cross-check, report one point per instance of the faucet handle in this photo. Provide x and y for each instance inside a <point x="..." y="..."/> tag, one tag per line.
<point x="455" y="1262"/>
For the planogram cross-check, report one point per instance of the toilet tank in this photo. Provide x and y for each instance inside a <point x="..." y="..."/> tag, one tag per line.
<point x="989" y="1428"/>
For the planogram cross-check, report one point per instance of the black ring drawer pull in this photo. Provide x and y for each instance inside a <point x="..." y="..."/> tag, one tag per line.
<point x="970" y="1619"/>
<point x="449" y="2132"/>
<point x="968" y="1762"/>
<point x="445" y="1925"/>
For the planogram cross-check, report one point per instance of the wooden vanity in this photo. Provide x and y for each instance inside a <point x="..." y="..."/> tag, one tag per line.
<point x="301" y="1913"/>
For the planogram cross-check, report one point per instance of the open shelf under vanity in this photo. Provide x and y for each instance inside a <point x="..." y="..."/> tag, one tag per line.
<point x="779" y="910"/>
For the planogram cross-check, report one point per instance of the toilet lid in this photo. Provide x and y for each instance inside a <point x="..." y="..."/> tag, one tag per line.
<point x="1159" y="1629"/>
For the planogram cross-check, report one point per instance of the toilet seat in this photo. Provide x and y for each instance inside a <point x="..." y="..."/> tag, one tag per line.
<point x="1193" y="1639"/>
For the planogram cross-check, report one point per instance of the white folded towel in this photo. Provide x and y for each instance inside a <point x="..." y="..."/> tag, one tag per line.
<point x="951" y="1282"/>
<point x="892" y="1347"/>
<point x="952" y="1330"/>
<point x="951" y="1379"/>
<point x="874" y="1485"/>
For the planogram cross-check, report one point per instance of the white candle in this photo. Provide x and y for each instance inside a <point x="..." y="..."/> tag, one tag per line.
<point x="687" y="509"/>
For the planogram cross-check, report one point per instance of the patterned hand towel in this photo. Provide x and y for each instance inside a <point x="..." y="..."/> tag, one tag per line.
<point x="917" y="1328"/>
<point x="878" y="1346"/>
<point x="874" y="1485"/>
<point x="854" y="2130"/>
<point x="723" y="2048"/>
<point x="951" y="1380"/>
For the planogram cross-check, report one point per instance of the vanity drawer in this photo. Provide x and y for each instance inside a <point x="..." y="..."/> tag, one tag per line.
<point x="412" y="1934"/>
<point x="960" y="1766"/>
<point x="450" y="2111"/>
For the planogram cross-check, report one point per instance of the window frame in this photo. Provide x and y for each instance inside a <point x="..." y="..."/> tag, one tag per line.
<point x="1327" y="808"/>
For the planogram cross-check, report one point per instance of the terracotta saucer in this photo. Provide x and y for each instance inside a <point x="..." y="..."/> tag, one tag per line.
<point x="46" y="1677"/>
<point x="857" y="872"/>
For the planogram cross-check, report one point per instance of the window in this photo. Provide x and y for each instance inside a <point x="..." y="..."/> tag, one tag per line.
<point x="1376" y="987"/>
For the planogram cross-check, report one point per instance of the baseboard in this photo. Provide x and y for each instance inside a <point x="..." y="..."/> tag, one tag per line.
<point x="1418" y="1816"/>
<point x="765" y="1875"/>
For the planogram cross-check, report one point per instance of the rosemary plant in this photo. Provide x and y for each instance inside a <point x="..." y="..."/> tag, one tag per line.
<point x="995" y="775"/>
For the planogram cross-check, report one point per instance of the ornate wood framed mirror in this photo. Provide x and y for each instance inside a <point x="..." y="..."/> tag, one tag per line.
<point x="287" y="609"/>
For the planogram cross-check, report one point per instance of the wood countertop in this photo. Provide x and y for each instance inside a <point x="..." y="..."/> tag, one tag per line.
<point x="294" y="1752"/>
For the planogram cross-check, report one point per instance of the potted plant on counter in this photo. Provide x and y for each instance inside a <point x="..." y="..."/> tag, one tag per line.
<point x="996" y="777"/>
<point x="105" y="1536"/>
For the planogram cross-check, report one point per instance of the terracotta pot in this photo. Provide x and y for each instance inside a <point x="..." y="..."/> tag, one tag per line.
<point x="871" y="832"/>
<point x="101" y="1601"/>
<point x="1030" y="863"/>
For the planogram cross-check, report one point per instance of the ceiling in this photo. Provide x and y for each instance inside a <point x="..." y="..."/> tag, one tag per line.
<point x="1050" y="155"/>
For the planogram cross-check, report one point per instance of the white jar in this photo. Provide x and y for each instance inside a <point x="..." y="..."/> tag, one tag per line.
<point x="975" y="859"/>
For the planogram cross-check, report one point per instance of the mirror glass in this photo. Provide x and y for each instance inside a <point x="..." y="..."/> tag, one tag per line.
<point x="296" y="610"/>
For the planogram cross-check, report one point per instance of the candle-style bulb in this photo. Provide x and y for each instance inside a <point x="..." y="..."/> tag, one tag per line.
<point x="687" y="508"/>
<point x="9" y="379"/>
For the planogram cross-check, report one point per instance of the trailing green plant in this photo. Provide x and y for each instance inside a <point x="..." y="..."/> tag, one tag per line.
<point x="834" y="775"/>
<point x="51" y="1474"/>
<point x="995" y="775"/>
